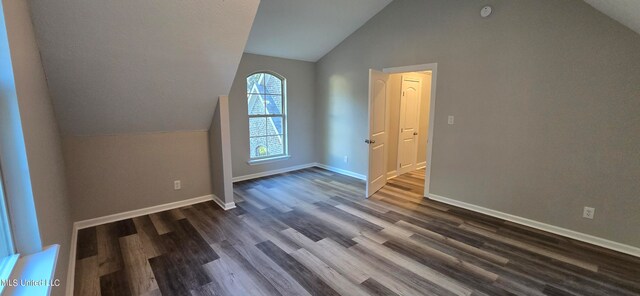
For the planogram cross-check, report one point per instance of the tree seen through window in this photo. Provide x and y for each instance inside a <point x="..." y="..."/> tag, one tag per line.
<point x="267" y="124"/>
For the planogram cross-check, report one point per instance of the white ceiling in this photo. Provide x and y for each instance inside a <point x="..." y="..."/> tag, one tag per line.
<point x="307" y="29"/>
<point x="627" y="12"/>
<point x="122" y="66"/>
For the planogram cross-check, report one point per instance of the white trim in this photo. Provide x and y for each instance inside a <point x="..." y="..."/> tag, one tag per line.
<point x="37" y="266"/>
<point x="127" y="215"/>
<point x="223" y="205"/>
<point x="273" y="172"/>
<point x="267" y="160"/>
<point x="140" y="212"/>
<point x="630" y="250"/>
<point x="433" y="67"/>
<point x="421" y="165"/>
<point x="6" y="268"/>
<point x="71" y="270"/>
<point x="412" y="68"/>
<point x="342" y="171"/>
<point x="392" y="174"/>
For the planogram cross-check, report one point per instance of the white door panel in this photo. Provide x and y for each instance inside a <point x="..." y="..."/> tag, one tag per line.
<point x="409" y="122"/>
<point x="378" y="101"/>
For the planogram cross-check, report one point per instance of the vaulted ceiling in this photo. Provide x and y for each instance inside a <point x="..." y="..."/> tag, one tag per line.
<point x="307" y="29"/>
<point x="627" y="12"/>
<point x="122" y="66"/>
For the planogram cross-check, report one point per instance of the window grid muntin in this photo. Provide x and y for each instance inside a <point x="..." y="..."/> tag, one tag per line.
<point x="282" y="115"/>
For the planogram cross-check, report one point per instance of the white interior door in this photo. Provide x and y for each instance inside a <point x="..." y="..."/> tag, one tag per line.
<point x="377" y="141"/>
<point x="409" y="122"/>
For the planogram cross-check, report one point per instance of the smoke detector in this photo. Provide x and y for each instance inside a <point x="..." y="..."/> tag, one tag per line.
<point x="486" y="11"/>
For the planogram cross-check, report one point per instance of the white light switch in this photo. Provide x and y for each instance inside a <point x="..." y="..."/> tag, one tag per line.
<point x="177" y="185"/>
<point x="450" y="120"/>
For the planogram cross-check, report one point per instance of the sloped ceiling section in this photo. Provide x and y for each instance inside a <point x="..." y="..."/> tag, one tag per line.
<point x="307" y="30"/>
<point x="123" y="66"/>
<point x="627" y="12"/>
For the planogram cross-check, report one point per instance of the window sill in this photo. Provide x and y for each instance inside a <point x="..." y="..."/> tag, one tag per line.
<point x="268" y="160"/>
<point x="6" y="267"/>
<point x="33" y="274"/>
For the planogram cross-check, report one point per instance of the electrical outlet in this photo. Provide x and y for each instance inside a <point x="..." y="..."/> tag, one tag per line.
<point x="588" y="212"/>
<point x="346" y="159"/>
<point x="177" y="185"/>
<point x="450" y="119"/>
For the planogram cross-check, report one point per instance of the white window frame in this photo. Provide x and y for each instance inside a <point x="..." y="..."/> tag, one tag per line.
<point x="7" y="261"/>
<point x="283" y="116"/>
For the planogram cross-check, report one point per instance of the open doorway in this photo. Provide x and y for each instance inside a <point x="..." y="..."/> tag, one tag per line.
<point x="409" y="95"/>
<point x="401" y="113"/>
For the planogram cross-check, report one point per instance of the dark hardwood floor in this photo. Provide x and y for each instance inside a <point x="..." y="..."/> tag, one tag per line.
<point x="311" y="232"/>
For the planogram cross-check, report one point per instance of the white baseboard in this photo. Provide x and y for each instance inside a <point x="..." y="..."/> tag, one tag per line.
<point x="273" y="172"/>
<point x="342" y="171"/>
<point x="140" y="212"/>
<point x="127" y="215"/>
<point x="630" y="250"/>
<point x="421" y="165"/>
<point x="223" y="205"/>
<point x="392" y="174"/>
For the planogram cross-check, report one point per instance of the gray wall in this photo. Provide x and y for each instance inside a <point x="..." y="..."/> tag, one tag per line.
<point x="220" y="153"/>
<point x="215" y="154"/>
<point x="41" y="139"/>
<point x="301" y="115"/>
<point x="114" y="174"/>
<point x="546" y="96"/>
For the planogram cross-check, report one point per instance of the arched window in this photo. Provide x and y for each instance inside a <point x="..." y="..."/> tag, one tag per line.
<point x="266" y="98"/>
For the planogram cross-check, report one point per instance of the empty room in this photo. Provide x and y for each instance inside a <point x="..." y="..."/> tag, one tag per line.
<point x="334" y="147"/>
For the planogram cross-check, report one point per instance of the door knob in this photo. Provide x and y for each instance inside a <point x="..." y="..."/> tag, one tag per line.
<point x="415" y="133"/>
<point x="369" y="141"/>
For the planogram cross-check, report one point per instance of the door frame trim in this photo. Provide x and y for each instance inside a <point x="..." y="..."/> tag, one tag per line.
<point x="433" y="67"/>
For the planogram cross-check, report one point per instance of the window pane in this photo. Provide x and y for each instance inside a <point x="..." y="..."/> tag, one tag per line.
<point x="257" y="126"/>
<point x="273" y="84"/>
<point x="275" y="145"/>
<point x="253" y="82"/>
<point x="274" y="126"/>
<point x="256" y="105"/>
<point x="265" y="96"/>
<point x="258" y="147"/>
<point x="274" y="104"/>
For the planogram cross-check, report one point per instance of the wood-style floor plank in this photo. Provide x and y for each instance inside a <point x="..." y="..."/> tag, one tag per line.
<point x="332" y="259"/>
<point x="333" y="278"/>
<point x="87" y="280"/>
<point x="376" y="288"/>
<point x="109" y="251"/>
<point x="87" y="244"/>
<point x="138" y="270"/>
<point x="278" y="277"/>
<point x="311" y="232"/>
<point x="312" y="283"/>
<point x="235" y="275"/>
